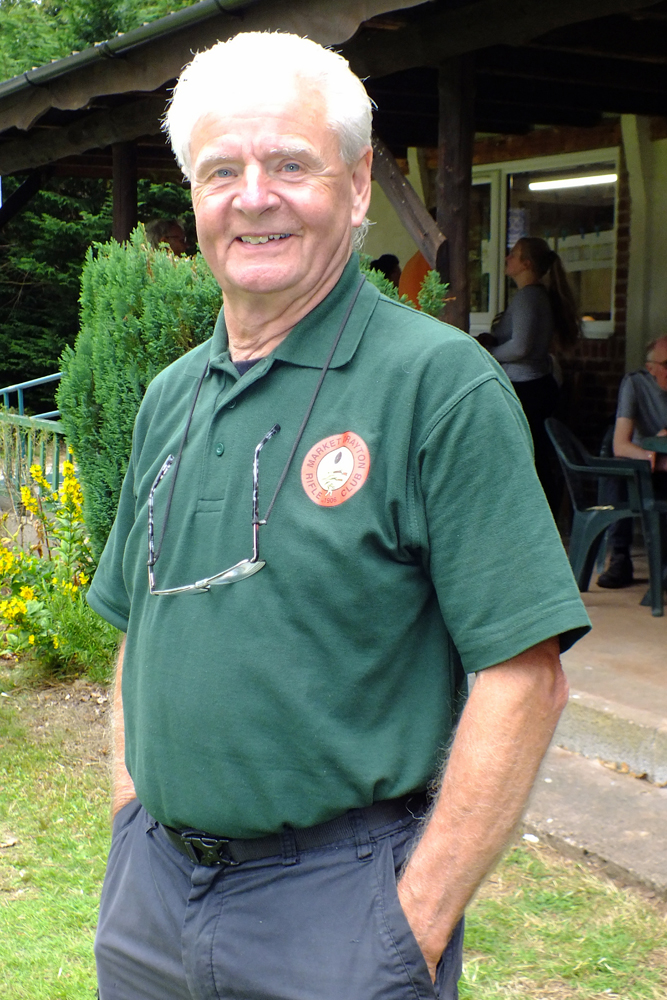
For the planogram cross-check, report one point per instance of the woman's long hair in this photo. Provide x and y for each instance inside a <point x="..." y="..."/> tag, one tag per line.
<point x="547" y="264"/>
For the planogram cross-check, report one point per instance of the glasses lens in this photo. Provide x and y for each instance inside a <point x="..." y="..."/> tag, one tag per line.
<point x="242" y="570"/>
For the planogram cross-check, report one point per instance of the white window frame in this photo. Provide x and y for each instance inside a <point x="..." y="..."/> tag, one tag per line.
<point x="497" y="174"/>
<point x="482" y="321"/>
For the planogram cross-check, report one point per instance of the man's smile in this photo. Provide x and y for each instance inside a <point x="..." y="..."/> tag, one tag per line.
<point x="263" y="239"/>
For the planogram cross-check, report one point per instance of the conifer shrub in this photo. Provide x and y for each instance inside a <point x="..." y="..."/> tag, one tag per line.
<point x="141" y="308"/>
<point x="432" y="297"/>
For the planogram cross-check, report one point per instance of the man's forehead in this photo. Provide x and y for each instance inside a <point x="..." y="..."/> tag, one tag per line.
<point x="659" y="352"/>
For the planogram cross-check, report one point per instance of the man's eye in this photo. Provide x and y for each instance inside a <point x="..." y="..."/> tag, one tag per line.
<point x="292" y="168"/>
<point x="223" y="172"/>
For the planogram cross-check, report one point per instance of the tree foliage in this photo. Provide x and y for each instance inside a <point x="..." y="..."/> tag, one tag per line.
<point x="33" y="33"/>
<point x="43" y="248"/>
<point x="140" y="310"/>
<point x="42" y="251"/>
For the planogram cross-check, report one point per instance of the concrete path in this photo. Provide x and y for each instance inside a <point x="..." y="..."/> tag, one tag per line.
<point x="617" y="714"/>
<point x="583" y="807"/>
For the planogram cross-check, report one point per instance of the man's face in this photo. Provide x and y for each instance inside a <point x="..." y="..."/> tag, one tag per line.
<point x="275" y="203"/>
<point x="657" y="366"/>
<point x="176" y="238"/>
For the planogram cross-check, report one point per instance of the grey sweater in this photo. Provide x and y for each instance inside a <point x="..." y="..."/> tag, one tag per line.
<point x="524" y="334"/>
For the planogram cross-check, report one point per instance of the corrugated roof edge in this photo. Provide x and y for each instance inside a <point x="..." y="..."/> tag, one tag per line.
<point x="116" y="46"/>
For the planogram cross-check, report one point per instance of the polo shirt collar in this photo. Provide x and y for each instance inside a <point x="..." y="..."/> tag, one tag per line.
<point x="309" y="343"/>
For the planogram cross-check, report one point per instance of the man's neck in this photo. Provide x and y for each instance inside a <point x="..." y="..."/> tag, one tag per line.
<point x="257" y="323"/>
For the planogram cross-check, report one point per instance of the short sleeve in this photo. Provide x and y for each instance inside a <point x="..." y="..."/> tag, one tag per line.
<point x="499" y="569"/>
<point x="108" y="594"/>
<point x="627" y="400"/>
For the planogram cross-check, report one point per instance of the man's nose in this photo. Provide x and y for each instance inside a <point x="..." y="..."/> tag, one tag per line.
<point x="255" y="194"/>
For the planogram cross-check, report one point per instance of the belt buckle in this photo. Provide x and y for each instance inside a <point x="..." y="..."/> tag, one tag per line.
<point x="204" y="849"/>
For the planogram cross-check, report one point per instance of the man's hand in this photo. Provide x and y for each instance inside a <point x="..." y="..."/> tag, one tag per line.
<point x="123" y="786"/>
<point x="504" y="732"/>
<point x="487" y="340"/>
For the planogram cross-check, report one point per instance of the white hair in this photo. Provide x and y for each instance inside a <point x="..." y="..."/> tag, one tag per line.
<point x="255" y="60"/>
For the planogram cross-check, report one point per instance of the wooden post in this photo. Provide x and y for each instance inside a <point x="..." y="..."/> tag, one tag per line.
<point x="409" y="207"/>
<point x="124" y="189"/>
<point x="455" y="145"/>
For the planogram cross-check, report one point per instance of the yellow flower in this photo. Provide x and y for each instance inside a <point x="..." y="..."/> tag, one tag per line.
<point x="68" y="469"/>
<point x="6" y="560"/>
<point x="56" y="642"/>
<point x="27" y="593"/>
<point x="83" y="579"/>
<point x="12" y="608"/>
<point x="28" y="500"/>
<point x="31" y="640"/>
<point x="37" y="474"/>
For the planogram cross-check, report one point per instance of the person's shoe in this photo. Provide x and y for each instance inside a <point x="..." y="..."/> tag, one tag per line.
<point x="618" y="574"/>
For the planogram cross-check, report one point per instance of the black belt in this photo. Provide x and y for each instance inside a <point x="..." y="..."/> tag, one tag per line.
<point x="208" y="849"/>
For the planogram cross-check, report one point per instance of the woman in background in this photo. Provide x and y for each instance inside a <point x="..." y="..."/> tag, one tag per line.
<point x="541" y="318"/>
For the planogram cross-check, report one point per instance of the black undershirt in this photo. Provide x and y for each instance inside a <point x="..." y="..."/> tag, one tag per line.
<point x="244" y="366"/>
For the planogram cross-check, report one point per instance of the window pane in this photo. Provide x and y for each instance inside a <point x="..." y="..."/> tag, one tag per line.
<point x="576" y="221"/>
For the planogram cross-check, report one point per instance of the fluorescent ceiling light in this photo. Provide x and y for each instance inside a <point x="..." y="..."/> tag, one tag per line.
<point x="572" y="182"/>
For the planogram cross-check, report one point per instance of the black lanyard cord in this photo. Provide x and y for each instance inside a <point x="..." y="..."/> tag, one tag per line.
<point x="325" y="369"/>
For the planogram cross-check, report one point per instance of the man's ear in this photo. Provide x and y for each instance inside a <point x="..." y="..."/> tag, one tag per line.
<point x="361" y="187"/>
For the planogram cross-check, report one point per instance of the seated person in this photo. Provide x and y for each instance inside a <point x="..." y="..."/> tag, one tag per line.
<point x="169" y="232"/>
<point x="388" y="264"/>
<point x="641" y="412"/>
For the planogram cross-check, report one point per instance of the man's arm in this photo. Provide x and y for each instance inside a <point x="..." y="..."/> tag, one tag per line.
<point x="503" y="734"/>
<point x="123" y="786"/>
<point x="624" y="447"/>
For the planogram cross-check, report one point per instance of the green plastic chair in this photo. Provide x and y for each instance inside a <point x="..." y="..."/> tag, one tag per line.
<point x="590" y="522"/>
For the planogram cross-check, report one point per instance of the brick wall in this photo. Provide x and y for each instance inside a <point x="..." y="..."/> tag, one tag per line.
<point x="593" y="373"/>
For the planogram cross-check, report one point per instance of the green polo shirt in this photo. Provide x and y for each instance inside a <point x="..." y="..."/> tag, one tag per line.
<point x="410" y="544"/>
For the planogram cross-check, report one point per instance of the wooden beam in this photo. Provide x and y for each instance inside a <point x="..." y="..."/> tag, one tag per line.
<point x="409" y="207"/>
<point x="536" y="63"/>
<point x="124" y="190"/>
<point x="16" y="201"/>
<point x="93" y="131"/>
<point x="456" y="90"/>
<point x="564" y="96"/>
<point x="451" y="32"/>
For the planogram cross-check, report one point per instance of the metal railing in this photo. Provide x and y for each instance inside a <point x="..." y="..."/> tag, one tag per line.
<point x="19" y="389"/>
<point x="28" y="440"/>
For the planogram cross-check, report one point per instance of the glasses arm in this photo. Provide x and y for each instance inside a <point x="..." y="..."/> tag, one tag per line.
<point x="255" y="491"/>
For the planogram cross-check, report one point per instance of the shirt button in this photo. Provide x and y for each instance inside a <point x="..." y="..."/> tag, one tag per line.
<point x="231" y="404"/>
<point x="219" y="449"/>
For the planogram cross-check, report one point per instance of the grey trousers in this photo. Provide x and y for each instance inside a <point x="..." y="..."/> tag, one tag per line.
<point x="323" y="924"/>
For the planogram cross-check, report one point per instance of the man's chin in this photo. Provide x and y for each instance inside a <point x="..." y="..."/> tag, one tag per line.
<point x="260" y="279"/>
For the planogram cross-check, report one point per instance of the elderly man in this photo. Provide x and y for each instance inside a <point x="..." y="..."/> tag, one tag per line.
<point x="342" y="521"/>
<point x="641" y="412"/>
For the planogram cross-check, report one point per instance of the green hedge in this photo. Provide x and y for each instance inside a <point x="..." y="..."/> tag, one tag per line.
<point x="141" y="309"/>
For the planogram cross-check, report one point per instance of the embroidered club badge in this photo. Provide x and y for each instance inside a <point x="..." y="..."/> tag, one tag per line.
<point x="335" y="468"/>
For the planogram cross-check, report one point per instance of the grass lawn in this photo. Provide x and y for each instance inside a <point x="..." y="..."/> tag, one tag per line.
<point x="543" y="927"/>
